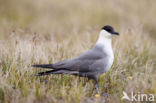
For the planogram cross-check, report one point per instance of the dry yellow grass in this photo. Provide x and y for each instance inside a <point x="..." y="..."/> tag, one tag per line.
<point x="47" y="31"/>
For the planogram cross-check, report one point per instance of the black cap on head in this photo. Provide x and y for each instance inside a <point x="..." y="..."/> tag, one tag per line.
<point x="110" y="29"/>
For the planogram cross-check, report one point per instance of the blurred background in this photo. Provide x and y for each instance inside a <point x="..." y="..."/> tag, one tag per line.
<point x="47" y="31"/>
<point x="53" y="16"/>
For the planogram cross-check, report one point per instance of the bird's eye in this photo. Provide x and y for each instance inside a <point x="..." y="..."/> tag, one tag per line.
<point x="108" y="30"/>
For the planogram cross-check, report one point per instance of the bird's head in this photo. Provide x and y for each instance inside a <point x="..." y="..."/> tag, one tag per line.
<point x="108" y="32"/>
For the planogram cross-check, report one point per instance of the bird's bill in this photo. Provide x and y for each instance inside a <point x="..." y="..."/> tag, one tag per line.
<point x="116" y="33"/>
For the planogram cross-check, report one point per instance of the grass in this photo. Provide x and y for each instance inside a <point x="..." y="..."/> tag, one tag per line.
<point x="49" y="31"/>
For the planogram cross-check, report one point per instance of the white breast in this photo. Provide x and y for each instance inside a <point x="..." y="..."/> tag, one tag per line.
<point x="110" y="62"/>
<point x="105" y="42"/>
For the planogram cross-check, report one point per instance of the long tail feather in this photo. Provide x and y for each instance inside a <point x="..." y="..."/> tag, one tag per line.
<point x="44" y="73"/>
<point x="57" y="71"/>
<point x="43" y="66"/>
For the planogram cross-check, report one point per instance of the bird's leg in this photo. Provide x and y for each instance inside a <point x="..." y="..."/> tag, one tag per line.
<point x="96" y="87"/>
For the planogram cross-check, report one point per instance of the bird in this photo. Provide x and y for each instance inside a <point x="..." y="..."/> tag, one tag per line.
<point x="91" y="63"/>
